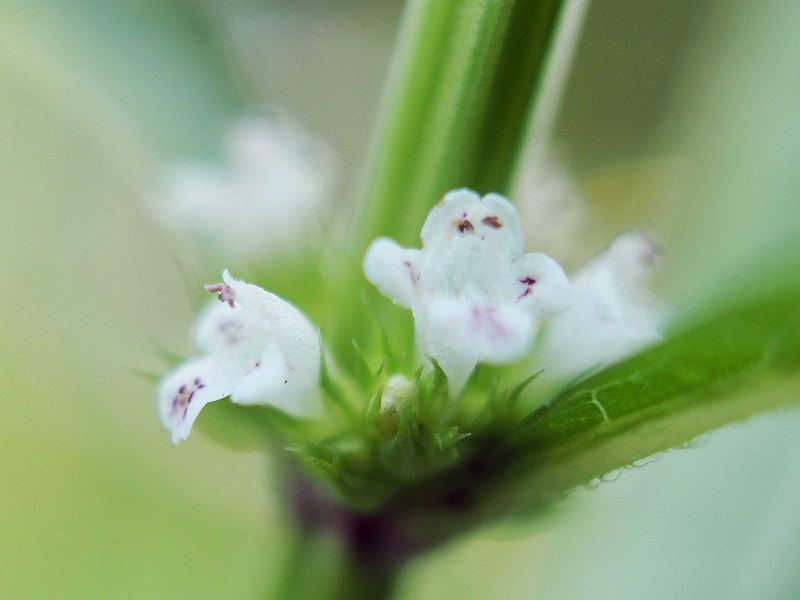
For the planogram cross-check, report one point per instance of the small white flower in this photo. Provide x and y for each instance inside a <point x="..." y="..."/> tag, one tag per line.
<point x="612" y="314"/>
<point x="259" y="349"/>
<point x="263" y="200"/>
<point x="474" y="296"/>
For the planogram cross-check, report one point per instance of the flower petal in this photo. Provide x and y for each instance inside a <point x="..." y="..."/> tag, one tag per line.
<point x="272" y="382"/>
<point x="611" y="316"/>
<point x="454" y="207"/>
<point x="616" y="280"/>
<point x="541" y="287"/>
<point x="457" y="362"/>
<point x="295" y="337"/>
<point x="494" y="333"/>
<point x="265" y="378"/>
<point x="229" y="331"/>
<point x="472" y="297"/>
<point x="578" y="342"/>
<point x="469" y="242"/>
<point x="499" y="215"/>
<point x="185" y="391"/>
<point x="393" y="270"/>
<point x="458" y="333"/>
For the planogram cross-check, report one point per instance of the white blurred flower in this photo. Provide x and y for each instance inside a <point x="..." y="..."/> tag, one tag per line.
<point x="552" y="207"/>
<point x="266" y="198"/>
<point x="259" y="349"/>
<point x="612" y="314"/>
<point x="474" y="296"/>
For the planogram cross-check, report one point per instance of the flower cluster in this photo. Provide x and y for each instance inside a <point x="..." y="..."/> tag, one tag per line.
<point x="474" y="295"/>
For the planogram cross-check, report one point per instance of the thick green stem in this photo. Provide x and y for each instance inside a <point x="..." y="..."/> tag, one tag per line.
<point x="456" y="107"/>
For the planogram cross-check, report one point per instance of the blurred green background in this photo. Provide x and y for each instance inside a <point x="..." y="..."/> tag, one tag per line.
<point x="680" y="116"/>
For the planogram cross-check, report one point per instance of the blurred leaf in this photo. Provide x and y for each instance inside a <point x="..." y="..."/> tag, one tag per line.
<point x="144" y="58"/>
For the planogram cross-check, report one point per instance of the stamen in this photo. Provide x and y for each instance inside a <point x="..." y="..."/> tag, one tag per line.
<point x="528" y="282"/>
<point x="651" y="253"/>
<point x="223" y="290"/>
<point x="464" y="225"/>
<point x="492" y="221"/>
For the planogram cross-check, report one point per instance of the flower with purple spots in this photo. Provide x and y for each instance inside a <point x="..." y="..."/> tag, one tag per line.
<point x="474" y="295"/>
<point x="259" y="349"/>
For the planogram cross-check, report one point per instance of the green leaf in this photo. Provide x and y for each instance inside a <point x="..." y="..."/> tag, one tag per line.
<point x="713" y="369"/>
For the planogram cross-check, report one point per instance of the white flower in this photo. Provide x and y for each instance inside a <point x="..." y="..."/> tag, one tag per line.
<point x="263" y="200"/>
<point x="612" y="314"/>
<point x="474" y="296"/>
<point x="259" y="349"/>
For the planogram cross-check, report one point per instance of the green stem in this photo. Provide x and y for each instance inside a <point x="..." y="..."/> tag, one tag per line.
<point x="456" y="107"/>
<point x="319" y="567"/>
<point x="336" y="553"/>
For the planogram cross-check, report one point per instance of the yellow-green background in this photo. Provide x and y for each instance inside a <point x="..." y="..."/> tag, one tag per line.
<point x="95" y="94"/>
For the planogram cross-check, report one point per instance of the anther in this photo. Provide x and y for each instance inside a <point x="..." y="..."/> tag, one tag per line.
<point x="464" y="225"/>
<point x="223" y="290"/>
<point x="528" y="282"/>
